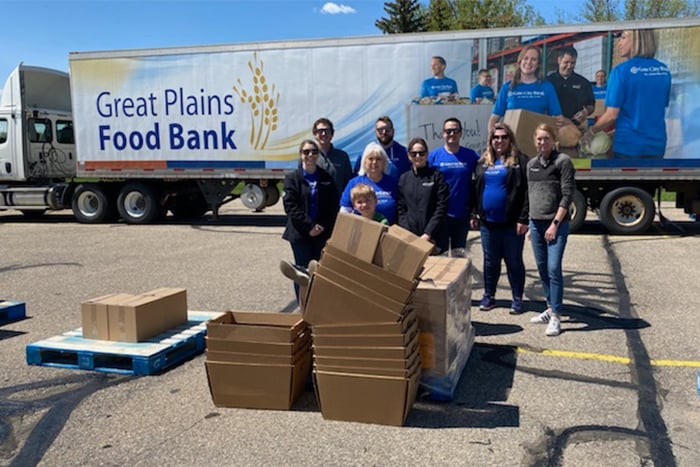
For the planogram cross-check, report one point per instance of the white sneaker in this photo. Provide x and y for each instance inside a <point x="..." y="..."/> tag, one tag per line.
<point x="554" y="326"/>
<point x="542" y="318"/>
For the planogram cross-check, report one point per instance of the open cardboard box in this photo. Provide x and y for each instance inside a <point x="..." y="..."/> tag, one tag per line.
<point x="257" y="386"/>
<point x="257" y="327"/>
<point x="261" y="348"/>
<point x="379" y="328"/>
<point x="378" y="340"/>
<point x="384" y="400"/>
<point x="330" y="303"/>
<point x="367" y="351"/>
<point x="402" y="252"/>
<point x="366" y="289"/>
<point x="356" y="235"/>
<point x="368" y="370"/>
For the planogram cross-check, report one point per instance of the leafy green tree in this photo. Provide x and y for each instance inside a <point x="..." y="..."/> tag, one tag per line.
<point x="646" y="9"/>
<point x="404" y="16"/>
<point x="440" y="16"/>
<point x="596" y="11"/>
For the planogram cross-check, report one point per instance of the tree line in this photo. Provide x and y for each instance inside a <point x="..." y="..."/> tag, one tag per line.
<point x="444" y="15"/>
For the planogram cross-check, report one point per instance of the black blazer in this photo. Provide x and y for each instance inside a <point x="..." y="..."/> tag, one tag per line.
<point x="297" y="200"/>
<point x="517" y="206"/>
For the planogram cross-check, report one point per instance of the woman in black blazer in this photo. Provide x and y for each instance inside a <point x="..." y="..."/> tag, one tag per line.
<point x="311" y="202"/>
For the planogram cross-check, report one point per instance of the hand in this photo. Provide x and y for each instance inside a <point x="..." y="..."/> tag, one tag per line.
<point x="474" y="223"/>
<point x="316" y="230"/>
<point x="521" y="229"/>
<point x="425" y="236"/>
<point x="586" y="138"/>
<point x="551" y="233"/>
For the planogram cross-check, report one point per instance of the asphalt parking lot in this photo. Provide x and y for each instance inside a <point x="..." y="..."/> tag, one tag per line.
<point x="618" y="387"/>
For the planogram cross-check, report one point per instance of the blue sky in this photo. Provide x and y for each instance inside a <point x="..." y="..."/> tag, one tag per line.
<point x="42" y="33"/>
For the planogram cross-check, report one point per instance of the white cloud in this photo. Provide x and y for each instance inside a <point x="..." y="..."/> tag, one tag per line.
<point x="330" y="8"/>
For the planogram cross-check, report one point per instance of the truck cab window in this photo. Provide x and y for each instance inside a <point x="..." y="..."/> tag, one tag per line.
<point x="39" y="130"/>
<point x="3" y="130"/>
<point x="64" y="132"/>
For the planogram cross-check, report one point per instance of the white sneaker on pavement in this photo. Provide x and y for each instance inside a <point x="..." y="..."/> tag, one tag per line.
<point x="542" y="318"/>
<point x="554" y="326"/>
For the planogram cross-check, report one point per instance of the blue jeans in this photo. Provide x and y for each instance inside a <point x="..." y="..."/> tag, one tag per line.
<point x="502" y="243"/>
<point x="548" y="257"/>
<point x="453" y="234"/>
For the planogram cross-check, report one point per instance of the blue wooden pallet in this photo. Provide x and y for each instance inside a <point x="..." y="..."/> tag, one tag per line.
<point x="11" y="311"/>
<point x="71" y="350"/>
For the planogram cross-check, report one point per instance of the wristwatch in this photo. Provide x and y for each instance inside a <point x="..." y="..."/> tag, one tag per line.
<point x="555" y="222"/>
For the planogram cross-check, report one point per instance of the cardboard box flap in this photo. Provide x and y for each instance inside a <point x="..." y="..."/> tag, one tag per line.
<point x="356" y="235"/>
<point x="402" y="252"/>
<point x="257" y="326"/>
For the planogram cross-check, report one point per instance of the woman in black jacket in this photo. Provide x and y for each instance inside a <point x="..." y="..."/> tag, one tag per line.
<point x="500" y="207"/>
<point x="423" y="194"/>
<point x="311" y="202"/>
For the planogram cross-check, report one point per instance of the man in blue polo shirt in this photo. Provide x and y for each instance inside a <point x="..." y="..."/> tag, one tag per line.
<point x="439" y="84"/>
<point x="483" y="90"/>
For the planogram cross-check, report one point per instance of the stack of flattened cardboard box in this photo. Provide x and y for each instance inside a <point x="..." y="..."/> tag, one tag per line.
<point x="257" y="360"/>
<point x="443" y="306"/>
<point x="133" y="318"/>
<point x="366" y="358"/>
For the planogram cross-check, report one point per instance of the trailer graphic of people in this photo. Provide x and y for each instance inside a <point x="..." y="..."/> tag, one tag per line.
<point x="439" y="86"/>
<point x="639" y="91"/>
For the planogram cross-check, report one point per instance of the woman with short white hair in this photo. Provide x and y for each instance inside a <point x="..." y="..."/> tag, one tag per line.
<point x="374" y="171"/>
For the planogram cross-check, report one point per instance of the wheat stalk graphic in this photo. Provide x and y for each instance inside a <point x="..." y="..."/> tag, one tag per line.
<point x="262" y="101"/>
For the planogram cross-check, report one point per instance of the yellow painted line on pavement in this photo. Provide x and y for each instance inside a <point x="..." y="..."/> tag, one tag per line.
<point x="607" y="358"/>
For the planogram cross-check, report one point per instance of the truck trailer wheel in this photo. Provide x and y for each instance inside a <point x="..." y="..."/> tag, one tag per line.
<point x="627" y="210"/>
<point x="138" y="203"/>
<point x="273" y="195"/>
<point x="91" y="204"/>
<point x="577" y="211"/>
<point x="254" y="197"/>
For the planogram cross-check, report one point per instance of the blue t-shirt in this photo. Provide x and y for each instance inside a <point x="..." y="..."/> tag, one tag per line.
<point x="483" y="92"/>
<point x="641" y="89"/>
<point x="434" y="86"/>
<point x="457" y="169"/>
<point x="495" y="193"/>
<point x="540" y="97"/>
<point x="386" y="190"/>
<point x="599" y="91"/>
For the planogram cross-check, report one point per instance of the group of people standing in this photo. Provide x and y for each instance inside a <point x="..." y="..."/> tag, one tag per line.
<point x="438" y="195"/>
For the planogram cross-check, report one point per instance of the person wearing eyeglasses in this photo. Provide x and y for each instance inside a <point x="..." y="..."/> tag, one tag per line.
<point x="482" y="92"/>
<point x="310" y="200"/>
<point x="396" y="152"/>
<point x="333" y="160"/>
<point x="374" y="171"/>
<point x="457" y="165"/>
<point x="527" y="90"/>
<point x="423" y="194"/>
<point x="501" y="213"/>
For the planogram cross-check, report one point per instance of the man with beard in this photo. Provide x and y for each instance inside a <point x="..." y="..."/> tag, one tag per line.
<point x="398" y="156"/>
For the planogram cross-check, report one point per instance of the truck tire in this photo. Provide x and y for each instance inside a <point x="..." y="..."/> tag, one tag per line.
<point x="627" y="210"/>
<point x="138" y="203"/>
<point x="273" y="195"/>
<point x="577" y="211"/>
<point x="91" y="204"/>
<point x="254" y="197"/>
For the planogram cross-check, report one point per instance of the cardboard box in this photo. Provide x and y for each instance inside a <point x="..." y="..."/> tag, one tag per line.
<point x="367" y="289"/>
<point x="330" y="303"/>
<point x="241" y="357"/>
<point x="257" y="327"/>
<point x="147" y="315"/>
<point x="356" y="235"/>
<point x="392" y="327"/>
<point x="94" y="319"/>
<point x="379" y="340"/>
<point x="523" y="124"/>
<point x="385" y="400"/>
<point x="257" y="386"/>
<point x="443" y="305"/>
<point x="359" y="350"/>
<point x="379" y="363"/>
<point x="385" y="282"/>
<point x="402" y="252"/>
<point x="260" y="348"/>
<point x="367" y="370"/>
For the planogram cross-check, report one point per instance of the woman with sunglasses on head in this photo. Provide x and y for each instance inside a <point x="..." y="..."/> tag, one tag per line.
<point x="500" y="211"/>
<point x="423" y="194"/>
<point x="310" y="201"/>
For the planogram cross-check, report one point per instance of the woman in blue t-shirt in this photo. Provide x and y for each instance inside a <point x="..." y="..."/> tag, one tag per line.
<point x="374" y="170"/>
<point x="639" y="91"/>
<point x="527" y="90"/>
<point x="500" y="210"/>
